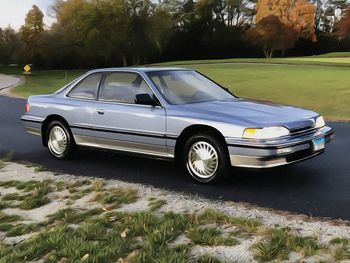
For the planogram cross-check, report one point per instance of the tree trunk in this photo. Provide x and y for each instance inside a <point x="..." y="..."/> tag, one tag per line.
<point x="268" y="53"/>
<point x="283" y="53"/>
<point x="125" y="61"/>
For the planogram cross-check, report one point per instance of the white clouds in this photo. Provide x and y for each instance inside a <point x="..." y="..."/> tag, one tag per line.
<point x="12" y="12"/>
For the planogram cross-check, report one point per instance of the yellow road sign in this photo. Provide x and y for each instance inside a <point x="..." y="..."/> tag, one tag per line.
<point x="27" y="68"/>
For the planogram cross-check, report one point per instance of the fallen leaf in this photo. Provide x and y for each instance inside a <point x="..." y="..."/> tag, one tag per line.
<point x="85" y="257"/>
<point x="123" y="235"/>
<point x="113" y="218"/>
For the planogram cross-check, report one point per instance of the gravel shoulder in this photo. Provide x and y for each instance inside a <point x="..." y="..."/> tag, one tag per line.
<point x="199" y="228"/>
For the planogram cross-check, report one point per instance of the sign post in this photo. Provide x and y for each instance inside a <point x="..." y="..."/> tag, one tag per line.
<point x="27" y="71"/>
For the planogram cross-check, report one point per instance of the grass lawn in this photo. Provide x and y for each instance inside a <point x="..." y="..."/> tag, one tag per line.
<point x="40" y="82"/>
<point x="325" y="89"/>
<point x="320" y="83"/>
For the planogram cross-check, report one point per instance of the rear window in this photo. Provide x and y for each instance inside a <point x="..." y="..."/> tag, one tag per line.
<point x="87" y="88"/>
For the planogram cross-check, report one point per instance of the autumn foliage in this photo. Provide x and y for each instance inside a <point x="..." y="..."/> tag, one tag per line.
<point x="270" y="34"/>
<point x="280" y="23"/>
<point x="298" y="14"/>
<point x="342" y="28"/>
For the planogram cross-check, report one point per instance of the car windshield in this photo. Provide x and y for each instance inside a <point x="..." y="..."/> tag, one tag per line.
<point x="185" y="86"/>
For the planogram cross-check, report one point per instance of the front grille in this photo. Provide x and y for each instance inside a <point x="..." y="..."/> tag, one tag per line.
<point x="302" y="130"/>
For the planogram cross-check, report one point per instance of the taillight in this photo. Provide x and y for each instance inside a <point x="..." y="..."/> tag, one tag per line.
<point x="27" y="107"/>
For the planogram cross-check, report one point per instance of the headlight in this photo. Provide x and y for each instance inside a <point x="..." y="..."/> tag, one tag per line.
<point x="320" y="122"/>
<point x="265" y="133"/>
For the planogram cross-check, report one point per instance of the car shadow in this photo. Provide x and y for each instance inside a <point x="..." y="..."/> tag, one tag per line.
<point x="288" y="188"/>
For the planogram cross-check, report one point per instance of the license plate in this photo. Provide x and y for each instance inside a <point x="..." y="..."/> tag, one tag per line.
<point x="319" y="144"/>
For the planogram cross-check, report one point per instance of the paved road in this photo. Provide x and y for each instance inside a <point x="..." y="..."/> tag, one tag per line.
<point x="8" y="81"/>
<point x="317" y="187"/>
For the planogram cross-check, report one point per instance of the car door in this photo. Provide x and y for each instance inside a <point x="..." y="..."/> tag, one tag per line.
<point x="122" y="124"/>
<point x="78" y="107"/>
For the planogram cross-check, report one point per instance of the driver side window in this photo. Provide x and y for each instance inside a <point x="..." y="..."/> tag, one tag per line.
<point x="123" y="87"/>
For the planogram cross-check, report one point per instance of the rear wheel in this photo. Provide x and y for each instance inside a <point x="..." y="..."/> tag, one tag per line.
<point x="59" y="140"/>
<point x="205" y="158"/>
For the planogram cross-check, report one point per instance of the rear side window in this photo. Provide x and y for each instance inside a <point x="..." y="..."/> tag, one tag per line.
<point x="87" y="88"/>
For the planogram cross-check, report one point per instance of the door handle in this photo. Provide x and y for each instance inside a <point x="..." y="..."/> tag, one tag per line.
<point x="100" y="112"/>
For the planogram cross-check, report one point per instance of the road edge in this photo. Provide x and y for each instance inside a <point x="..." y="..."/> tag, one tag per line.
<point x="6" y="91"/>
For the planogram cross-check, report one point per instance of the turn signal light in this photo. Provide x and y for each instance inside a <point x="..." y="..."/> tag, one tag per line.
<point x="27" y="107"/>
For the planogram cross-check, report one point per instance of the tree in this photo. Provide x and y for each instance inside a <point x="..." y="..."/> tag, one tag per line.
<point x="9" y="45"/>
<point x="32" y="31"/>
<point x="270" y="34"/>
<point x="342" y="28"/>
<point x="298" y="14"/>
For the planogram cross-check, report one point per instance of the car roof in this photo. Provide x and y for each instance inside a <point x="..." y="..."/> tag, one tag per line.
<point x="137" y="69"/>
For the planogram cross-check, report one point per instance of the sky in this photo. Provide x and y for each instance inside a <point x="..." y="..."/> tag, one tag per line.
<point x="12" y="12"/>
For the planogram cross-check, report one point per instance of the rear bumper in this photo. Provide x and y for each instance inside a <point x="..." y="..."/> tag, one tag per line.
<point x="272" y="153"/>
<point x="32" y="124"/>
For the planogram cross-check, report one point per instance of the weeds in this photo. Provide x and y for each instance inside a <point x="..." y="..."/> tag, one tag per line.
<point x="8" y="157"/>
<point x="72" y="216"/>
<point x="22" y="229"/>
<point x="340" y="249"/>
<point x="210" y="237"/>
<point x="278" y="243"/>
<point x="101" y="235"/>
<point x="115" y="197"/>
<point x="35" y="194"/>
<point x="210" y="216"/>
<point x="207" y="259"/>
<point x="9" y="218"/>
<point x="155" y="204"/>
<point x="97" y="185"/>
<point x="2" y="164"/>
<point x="26" y="186"/>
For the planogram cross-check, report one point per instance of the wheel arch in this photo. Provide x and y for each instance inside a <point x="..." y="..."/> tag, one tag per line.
<point x="196" y="129"/>
<point x="47" y="121"/>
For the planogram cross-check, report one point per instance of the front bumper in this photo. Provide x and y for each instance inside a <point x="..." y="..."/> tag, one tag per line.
<point x="272" y="153"/>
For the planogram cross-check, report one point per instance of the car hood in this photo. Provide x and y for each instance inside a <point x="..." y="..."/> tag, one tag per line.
<point x="251" y="113"/>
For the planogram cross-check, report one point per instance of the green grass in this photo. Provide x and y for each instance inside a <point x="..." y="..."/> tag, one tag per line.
<point x="155" y="204"/>
<point x="41" y="82"/>
<point x="210" y="216"/>
<point x="113" y="198"/>
<point x="207" y="259"/>
<point x="322" y="89"/>
<point x="4" y="218"/>
<point x="2" y="164"/>
<point x="210" y="236"/>
<point x="34" y="194"/>
<point x="72" y="216"/>
<point x="333" y="55"/>
<point x="278" y="243"/>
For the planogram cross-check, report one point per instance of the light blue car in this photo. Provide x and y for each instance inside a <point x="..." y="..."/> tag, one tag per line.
<point x="176" y="114"/>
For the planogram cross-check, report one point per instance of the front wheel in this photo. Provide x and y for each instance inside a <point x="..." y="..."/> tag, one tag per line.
<point x="59" y="140"/>
<point x="205" y="158"/>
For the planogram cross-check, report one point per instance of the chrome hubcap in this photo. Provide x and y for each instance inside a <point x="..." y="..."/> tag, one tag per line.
<point x="203" y="160"/>
<point x="57" y="140"/>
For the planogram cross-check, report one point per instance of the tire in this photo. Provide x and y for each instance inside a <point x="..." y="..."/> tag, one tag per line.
<point x="63" y="147"/>
<point x="213" y="163"/>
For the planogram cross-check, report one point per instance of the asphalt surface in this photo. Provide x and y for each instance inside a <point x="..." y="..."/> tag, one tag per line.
<point x="8" y="81"/>
<point x="316" y="187"/>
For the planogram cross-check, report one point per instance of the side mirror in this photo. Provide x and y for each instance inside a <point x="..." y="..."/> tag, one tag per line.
<point x="145" y="99"/>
